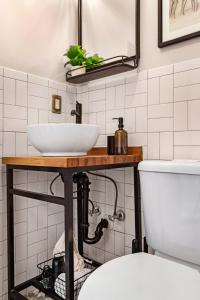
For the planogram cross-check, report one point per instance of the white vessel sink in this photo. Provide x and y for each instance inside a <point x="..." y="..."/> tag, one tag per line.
<point x="64" y="139"/>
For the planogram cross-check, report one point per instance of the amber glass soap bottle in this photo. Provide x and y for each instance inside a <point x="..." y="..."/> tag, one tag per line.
<point x="121" y="138"/>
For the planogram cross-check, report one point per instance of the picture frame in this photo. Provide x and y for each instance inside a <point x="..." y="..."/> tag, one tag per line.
<point x="177" y="23"/>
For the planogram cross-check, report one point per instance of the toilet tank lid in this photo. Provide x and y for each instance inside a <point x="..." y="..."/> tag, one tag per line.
<point x="174" y="166"/>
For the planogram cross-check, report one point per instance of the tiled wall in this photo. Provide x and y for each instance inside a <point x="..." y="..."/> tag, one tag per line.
<point x="26" y="99"/>
<point x="161" y="109"/>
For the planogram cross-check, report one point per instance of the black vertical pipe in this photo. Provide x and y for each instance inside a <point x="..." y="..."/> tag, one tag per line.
<point x="138" y="216"/>
<point x="69" y="248"/>
<point x="10" y="232"/>
<point x="80" y="22"/>
<point x="85" y="196"/>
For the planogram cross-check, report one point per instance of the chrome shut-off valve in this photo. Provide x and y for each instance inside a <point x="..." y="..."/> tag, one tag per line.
<point x="96" y="210"/>
<point x="120" y="216"/>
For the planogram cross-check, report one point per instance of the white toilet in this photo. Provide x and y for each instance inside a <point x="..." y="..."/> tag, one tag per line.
<point x="171" y="199"/>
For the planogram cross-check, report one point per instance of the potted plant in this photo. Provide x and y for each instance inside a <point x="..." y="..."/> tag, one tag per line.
<point x="79" y="62"/>
<point x="93" y="61"/>
<point x="76" y="56"/>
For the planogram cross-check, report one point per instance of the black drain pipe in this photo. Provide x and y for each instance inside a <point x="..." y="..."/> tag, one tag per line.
<point x="83" y="192"/>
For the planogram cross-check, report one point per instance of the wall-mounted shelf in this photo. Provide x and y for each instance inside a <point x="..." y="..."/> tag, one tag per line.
<point x="108" y="68"/>
<point x="105" y="70"/>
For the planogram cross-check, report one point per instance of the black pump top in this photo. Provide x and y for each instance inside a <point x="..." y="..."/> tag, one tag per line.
<point x="121" y="122"/>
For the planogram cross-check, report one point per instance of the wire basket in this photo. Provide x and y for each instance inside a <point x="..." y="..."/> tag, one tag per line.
<point x="57" y="285"/>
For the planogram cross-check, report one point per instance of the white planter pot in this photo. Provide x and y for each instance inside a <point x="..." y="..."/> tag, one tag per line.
<point x="77" y="70"/>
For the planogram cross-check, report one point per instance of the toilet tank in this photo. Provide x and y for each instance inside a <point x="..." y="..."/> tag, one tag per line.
<point x="170" y="192"/>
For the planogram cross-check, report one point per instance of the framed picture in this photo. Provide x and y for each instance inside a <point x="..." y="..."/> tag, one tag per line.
<point x="178" y="20"/>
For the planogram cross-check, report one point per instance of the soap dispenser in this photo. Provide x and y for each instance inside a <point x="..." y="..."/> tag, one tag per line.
<point x="121" y="138"/>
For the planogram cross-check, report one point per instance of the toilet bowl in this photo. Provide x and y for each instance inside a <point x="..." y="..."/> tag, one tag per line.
<point x="142" y="277"/>
<point x="170" y="194"/>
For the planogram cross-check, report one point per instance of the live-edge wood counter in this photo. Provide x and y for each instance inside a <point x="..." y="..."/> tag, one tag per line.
<point x="96" y="159"/>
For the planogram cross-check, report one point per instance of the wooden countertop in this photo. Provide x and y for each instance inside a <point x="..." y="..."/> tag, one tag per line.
<point x="95" y="157"/>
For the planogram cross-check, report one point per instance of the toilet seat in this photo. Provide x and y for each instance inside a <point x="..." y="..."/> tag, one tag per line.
<point x="142" y="276"/>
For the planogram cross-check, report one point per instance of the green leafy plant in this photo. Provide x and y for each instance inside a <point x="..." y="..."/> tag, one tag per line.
<point x="93" y="61"/>
<point x="77" y="57"/>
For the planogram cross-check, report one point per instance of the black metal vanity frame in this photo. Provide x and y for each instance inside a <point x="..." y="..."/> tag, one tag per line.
<point x="67" y="202"/>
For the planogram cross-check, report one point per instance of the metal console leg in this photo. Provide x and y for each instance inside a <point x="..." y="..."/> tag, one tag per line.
<point x="146" y="248"/>
<point x="137" y="243"/>
<point x="69" y="248"/>
<point x="10" y="232"/>
<point x="80" y="219"/>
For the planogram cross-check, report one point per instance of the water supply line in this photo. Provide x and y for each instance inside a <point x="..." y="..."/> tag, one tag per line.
<point x="117" y="214"/>
<point x="83" y="190"/>
<point x="83" y="183"/>
<point x="53" y="181"/>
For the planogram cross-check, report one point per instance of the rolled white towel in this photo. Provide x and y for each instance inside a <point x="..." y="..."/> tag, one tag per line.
<point x="79" y="278"/>
<point x="60" y="245"/>
<point x="78" y="259"/>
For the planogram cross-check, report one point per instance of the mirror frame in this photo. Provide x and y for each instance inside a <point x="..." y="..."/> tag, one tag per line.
<point x="134" y="58"/>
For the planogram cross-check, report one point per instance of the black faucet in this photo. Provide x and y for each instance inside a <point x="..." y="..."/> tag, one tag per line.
<point x="77" y="112"/>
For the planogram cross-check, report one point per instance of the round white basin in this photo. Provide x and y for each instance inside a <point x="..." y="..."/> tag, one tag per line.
<point x="64" y="139"/>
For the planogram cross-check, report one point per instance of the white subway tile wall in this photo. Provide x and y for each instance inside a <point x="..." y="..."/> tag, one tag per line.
<point x="26" y="99"/>
<point x="161" y="109"/>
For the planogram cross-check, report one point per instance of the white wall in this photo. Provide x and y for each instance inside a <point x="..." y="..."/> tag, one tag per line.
<point x="34" y="34"/>
<point x="161" y="109"/>
<point x="25" y="99"/>
<point x="151" y="55"/>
